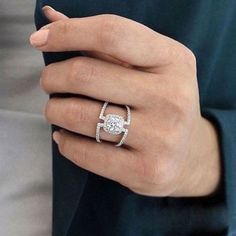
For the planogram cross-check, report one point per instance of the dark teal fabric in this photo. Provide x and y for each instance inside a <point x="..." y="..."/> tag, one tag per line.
<point x="86" y="204"/>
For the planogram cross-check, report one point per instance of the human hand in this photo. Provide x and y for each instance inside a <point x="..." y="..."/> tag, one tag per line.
<point x="171" y="150"/>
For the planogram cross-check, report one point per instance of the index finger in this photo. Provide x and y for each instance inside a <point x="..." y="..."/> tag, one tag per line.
<point x="120" y="37"/>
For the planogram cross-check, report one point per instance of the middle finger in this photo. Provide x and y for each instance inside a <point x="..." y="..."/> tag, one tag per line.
<point x="98" y="79"/>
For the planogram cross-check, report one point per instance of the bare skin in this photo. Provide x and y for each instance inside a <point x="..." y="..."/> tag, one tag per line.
<point x="171" y="150"/>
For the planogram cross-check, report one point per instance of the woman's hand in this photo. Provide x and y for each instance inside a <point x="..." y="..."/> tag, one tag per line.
<point x="171" y="150"/>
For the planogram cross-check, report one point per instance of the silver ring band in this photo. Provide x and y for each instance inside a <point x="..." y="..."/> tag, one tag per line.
<point x="113" y="124"/>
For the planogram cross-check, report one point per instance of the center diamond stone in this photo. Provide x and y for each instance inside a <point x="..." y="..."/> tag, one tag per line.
<point x="113" y="124"/>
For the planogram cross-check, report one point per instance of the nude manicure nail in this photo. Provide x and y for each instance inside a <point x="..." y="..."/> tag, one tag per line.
<point x="56" y="137"/>
<point x="48" y="8"/>
<point x="39" y="38"/>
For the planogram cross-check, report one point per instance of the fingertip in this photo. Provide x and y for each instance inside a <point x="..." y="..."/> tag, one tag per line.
<point x="56" y="137"/>
<point x="52" y="14"/>
<point x="39" y="38"/>
<point x="49" y="12"/>
<point x="48" y="8"/>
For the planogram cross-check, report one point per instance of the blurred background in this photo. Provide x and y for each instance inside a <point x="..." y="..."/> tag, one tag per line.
<point x="25" y="142"/>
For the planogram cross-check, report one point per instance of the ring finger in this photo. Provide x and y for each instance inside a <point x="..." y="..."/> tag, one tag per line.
<point x="81" y="115"/>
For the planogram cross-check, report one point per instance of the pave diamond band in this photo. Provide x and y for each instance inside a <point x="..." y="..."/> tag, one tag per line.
<point x="113" y="124"/>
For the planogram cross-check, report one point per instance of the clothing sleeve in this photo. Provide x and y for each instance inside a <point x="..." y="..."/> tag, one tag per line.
<point x="217" y="72"/>
<point x="225" y="122"/>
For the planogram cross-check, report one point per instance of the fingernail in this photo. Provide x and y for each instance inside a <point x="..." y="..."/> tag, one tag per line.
<point x="45" y="8"/>
<point x="39" y="38"/>
<point x="56" y="137"/>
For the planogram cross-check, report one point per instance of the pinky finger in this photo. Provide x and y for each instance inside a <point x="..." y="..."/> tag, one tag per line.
<point x="103" y="159"/>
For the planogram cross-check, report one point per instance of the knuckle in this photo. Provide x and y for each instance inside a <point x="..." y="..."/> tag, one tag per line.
<point x="178" y="102"/>
<point x="110" y="31"/>
<point x="172" y="115"/>
<point x="146" y="170"/>
<point x="187" y="56"/>
<point x="81" y="72"/>
<point x="170" y="49"/>
<point x="162" y="174"/>
<point x="74" y="113"/>
<point x="190" y="56"/>
<point x="155" y="176"/>
<point x="185" y="100"/>
<point x="64" y="26"/>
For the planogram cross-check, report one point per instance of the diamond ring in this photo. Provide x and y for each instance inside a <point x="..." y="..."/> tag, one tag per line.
<point x="113" y="124"/>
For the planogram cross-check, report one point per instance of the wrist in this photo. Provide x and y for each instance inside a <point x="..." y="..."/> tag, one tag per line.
<point x="201" y="176"/>
<point x="210" y="159"/>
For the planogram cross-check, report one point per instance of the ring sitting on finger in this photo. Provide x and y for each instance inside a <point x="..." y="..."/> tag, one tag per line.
<point x="113" y="124"/>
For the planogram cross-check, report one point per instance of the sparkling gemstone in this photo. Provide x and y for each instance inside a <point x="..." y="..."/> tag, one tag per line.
<point x="113" y="124"/>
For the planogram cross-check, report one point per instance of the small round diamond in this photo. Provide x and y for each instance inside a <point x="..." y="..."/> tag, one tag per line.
<point x="113" y="124"/>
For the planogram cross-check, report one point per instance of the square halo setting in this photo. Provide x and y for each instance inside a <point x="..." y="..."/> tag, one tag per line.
<point x="113" y="124"/>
